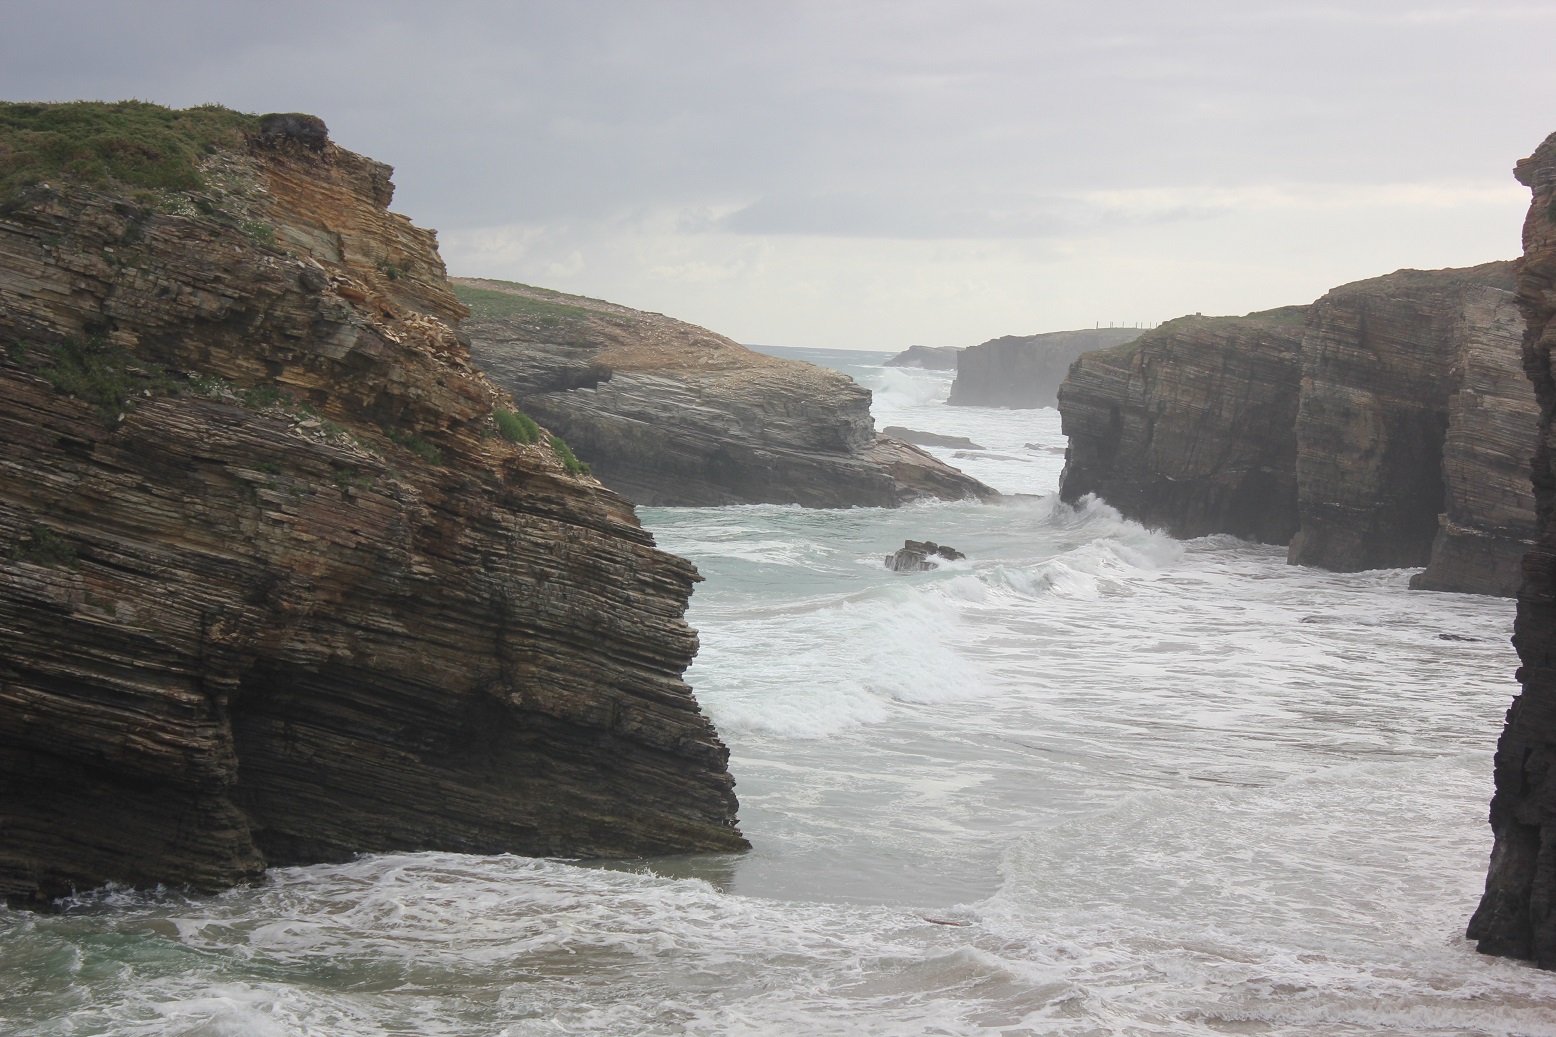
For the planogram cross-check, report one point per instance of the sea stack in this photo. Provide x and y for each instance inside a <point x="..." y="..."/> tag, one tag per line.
<point x="277" y="583"/>
<point x="1517" y="914"/>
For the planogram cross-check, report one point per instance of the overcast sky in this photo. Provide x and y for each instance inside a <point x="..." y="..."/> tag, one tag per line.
<point x="871" y="175"/>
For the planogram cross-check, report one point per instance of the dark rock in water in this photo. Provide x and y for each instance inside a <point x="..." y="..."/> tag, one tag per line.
<point x="984" y="455"/>
<point x="1457" y="637"/>
<point x="918" y="555"/>
<point x="1517" y="915"/>
<point x="917" y="438"/>
<point x="1026" y="370"/>
<point x="930" y="358"/>
<point x="670" y="414"/>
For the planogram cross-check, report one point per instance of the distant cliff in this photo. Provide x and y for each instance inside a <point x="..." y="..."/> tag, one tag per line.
<point x="1026" y="370"/>
<point x="1517" y="914"/>
<point x="277" y="584"/>
<point x="1190" y="426"/>
<point x="667" y="413"/>
<point x="930" y="358"/>
<point x="1379" y="427"/>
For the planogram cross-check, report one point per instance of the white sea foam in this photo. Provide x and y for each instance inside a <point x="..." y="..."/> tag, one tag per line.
<point x="1155" y="787"/>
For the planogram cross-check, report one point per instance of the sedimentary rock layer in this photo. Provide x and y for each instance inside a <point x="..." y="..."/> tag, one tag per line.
<point x="273" y="586"/>
<point x="1190" y="427"/>
<point x="1381" y="427"/>
<point x="1517" y="914"/>
<point x="667" y="413"/>
<point x="1385" y="363"/>
<point x="1026" y="370"/>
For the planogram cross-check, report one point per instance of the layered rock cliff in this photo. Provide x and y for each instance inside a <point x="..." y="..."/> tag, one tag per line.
<point x="1380" y="427"/>
<point x="667" y="413"/>
<point x="1026" y="370"/>
<point x="1190" y="427"/>
<point x="1517" y="914"/>
<point x="274" y="586"/>
<point x="1385" y="364"/>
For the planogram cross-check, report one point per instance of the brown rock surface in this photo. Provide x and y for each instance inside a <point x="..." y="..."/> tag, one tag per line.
<point x="667" y="413"/>
<point x="1189" y="427"/>
<point x="1380" y="360"/>
<point x="272" y="589"/>
<point x="1517" y="914"/>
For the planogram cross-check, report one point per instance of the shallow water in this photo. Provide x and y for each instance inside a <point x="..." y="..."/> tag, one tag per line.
<point x="1089" y="781"/>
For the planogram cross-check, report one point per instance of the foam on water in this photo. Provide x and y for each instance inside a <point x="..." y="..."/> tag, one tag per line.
<point x="1155" y="787"/>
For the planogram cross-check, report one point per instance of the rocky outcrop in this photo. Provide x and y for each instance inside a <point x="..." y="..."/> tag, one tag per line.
<point x="1382" y="427"/>
<point x="915" y="556"/>
<point x="1026" y="370"/>
<point x="930" y="358"/>
<point x="1385" y="364"/>
<point x="1517" y="914"/>
<point x="1190" y="427"/>
<point x="669" y="414"/>
<point x="274" y="587"/>
<point x="917" y="438"/>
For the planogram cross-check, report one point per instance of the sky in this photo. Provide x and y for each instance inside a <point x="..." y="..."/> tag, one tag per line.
<point x="871" y="175"/>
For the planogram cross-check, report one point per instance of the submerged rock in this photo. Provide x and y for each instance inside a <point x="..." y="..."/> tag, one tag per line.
<point x="1517" y="914"/>
<point x="669" y="414"/>
<point x="918" y="555"/>
<point x="276" y="587"/>
<point x="917" y="438"/>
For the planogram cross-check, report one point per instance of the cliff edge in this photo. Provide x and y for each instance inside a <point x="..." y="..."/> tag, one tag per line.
<point x="276" y="585"/>
<point x="1026" y="370"/>
<point x="1517" y="915"/>
<point x="670" y="414"/>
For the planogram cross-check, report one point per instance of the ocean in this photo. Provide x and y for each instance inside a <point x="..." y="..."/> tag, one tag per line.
<point x="1088" y="781"/>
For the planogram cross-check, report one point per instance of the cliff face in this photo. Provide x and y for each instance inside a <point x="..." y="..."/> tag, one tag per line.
<point x="1385" y="364"/>
<point x="930" y="358"/>
<point x="1026" y="370"/>
<point x="667" y="413"/>
<point x="1189" y="428"/>
<point x="1517" y="914"/>
<point x="1381" y="427"/>
<point x="273" y="586"/>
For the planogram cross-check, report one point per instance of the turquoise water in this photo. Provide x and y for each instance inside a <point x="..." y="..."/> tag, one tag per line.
<point x="1089" y="781"/>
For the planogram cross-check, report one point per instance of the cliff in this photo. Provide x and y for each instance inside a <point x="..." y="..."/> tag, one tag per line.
<point x="1189" y="428"/>
<point x="930" y="358"/>
<point x="1517" y="915"/>
<point x="1380" y="427"/>
<point x="669" y="414"/>
<point x="1026" y="370"/>
<point x="274" y="585"/>
<point x="1382" y="363"/>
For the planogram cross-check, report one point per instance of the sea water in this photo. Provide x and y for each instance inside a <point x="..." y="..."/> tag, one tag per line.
<point x="1090" y="780"/>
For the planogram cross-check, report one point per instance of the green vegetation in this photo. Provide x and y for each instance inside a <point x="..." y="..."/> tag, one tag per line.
<point x="516" y="426"/>
<point x="97" y="143"/>
<point x="415" y="444"/>
<point x="91" y="370"/>
<point x="571" y="463"/>
<point x="1294" y="315"/>
<point x="266" y="395"/>
<point x="488" y="302"/>
<point x="43" y="546"/>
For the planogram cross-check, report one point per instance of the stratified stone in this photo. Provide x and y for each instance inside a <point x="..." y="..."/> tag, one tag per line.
<point x="1379" y="361"/>
<point x="274" y="589"/>
<point x="1026" y="370"/>
<point x="1517" y="914"/>
<point x="670" y="414"/>
<point x="1190" y="427"/>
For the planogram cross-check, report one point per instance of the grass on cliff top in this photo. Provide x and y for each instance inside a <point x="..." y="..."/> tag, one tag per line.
<point x="488" y="302"/>
<point x="101" y="143"/>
